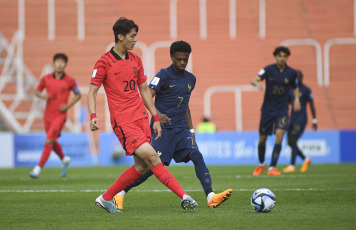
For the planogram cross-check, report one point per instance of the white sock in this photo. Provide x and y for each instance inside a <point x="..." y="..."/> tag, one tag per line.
<point x="185" y="196"/>
<point x="270" y="168"/>
<point x="122" y="193"/>
<point x="261" y="165"/>
<point x="37" y="170"/>
<point x="210" y="195"/>
<point x="292" y="166"/>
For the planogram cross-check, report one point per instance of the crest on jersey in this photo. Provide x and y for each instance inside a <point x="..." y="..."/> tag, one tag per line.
<point x="286" y="80"/>
<point x="189" y="87"/>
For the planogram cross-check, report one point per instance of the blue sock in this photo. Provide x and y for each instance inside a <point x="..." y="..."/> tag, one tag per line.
<point x="140" y="180"/>
<point x="275" y="154"/>
<point x="202" y="171"/>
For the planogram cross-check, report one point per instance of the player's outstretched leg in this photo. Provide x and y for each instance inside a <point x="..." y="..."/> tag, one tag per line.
<point x="217" y="199"/>
<point x="188" y="203"/>
<point x="106" y="204"/>
<point x="119" y="198"/>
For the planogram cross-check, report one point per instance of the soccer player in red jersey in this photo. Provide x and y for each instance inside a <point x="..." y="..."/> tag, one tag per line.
<point x="58" y="85"/>
<point x="121" y="73"/>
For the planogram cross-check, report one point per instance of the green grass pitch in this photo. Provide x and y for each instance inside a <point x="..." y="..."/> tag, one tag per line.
<point x="322" y="198"/>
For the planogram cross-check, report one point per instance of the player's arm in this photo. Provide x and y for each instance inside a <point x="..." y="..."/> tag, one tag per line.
<point x="312" y="108"/>
<point x="147" y="100"/>
<point x="94" y="121"/>
<point x="296" y="102"/>
<point x="76" y="98"/>
<point x="41" y="96"/>
<point x="188" y="119"/>
<point x="163" y="117"/>
<point x="256" y="81"/>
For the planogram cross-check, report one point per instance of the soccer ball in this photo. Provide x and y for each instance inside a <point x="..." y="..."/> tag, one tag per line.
<point x="263" y="200"/>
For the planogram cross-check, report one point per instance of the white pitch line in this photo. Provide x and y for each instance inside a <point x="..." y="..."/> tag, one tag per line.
<point x="166" y="190"/>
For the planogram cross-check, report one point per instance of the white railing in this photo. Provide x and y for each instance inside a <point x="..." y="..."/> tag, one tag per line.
<point x="21" y="16"/>
<point x="327" y="46"/>
<point x="232" y="19"/>
<point x="354" y="17"/>
<point x="303" y="42"/>
<point x="262" y="18"/>
<point x="238" y="103"/>
<point x="81" y="19"/>
<point x="51" y="20"/>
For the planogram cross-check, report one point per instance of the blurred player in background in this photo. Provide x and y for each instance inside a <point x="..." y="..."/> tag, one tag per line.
<point x="206" y="126"/>
<point x="274" y="113"/>
<point x="121" y="72"/>
<point x="58" y="86"/>
<point x="172" y="88"/>
<point x="297" y="124"/>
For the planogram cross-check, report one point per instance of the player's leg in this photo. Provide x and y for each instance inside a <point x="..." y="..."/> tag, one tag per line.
<point x="48" y="146"/>
<point x="272" y="170"/>
<point x="291" y="140"/>
<point x="265" y="129"/>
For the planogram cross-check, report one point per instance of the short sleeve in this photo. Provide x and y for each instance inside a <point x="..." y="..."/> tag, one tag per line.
<point x="294" y="81"/>
<point x="157" y="82"/>
<point x="99" y="73"/>
<point x="142" y="78"/>
<point x="74" y="87"/>
<point x="263" y="73"/>
<point x="42" y="84"/>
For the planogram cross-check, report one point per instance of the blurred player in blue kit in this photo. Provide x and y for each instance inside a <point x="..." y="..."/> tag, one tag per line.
<point x="297" y="124"/>
<point x="280" y="78"/>
<point x="172" y="88"/>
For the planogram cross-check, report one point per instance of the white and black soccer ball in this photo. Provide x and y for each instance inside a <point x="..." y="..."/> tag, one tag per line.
<point x="263" y="200"/>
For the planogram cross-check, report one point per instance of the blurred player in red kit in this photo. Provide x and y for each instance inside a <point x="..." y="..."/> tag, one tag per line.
<point x="58" y="86"/>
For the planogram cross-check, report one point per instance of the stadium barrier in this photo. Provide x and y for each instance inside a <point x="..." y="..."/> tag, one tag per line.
<point x="221" y="148"/>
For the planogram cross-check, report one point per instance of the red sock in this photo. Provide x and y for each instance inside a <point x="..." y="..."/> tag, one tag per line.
<point x="45" y="154"/>
<point x="58" y="150"/>
<point x="168" y="180"/>
<point x="125" y="179"/>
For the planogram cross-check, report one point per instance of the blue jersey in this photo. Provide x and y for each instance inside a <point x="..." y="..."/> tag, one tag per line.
<point x="173" y="94"/>
<point x="278" y="85"/>
<point x="305" y="96"/>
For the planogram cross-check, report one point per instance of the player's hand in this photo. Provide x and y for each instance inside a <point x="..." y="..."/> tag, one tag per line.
<point x="315" y="126"/>
<point x="63" y="108"/>
<point x="163" y="118"/>
<point x="94" y="124"/>
<point x="260" y="87"/>
<point x="157" y="129"/>
<point x="45" y="97"/>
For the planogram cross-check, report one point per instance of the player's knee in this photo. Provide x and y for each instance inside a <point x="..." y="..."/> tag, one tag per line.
<point x="49" y="142"/>
<point x="262" y="139"/>
<point x="152" y="160"/>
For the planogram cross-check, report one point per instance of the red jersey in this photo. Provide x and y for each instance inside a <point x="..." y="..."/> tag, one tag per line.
<point x="58" y="91"/>
<point x="120" y="78"/>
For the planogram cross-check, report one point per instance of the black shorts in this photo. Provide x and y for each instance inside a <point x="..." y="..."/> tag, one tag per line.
<point x="269" y="123"/>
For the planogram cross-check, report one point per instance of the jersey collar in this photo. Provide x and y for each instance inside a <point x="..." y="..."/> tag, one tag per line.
<point x="116" y="56"/>
<point x="54" y="76"/>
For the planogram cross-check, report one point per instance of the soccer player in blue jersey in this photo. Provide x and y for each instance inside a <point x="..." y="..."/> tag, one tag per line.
<point x="298" y="122"/>
<point x="172" y="88"/>
<point x="274" y="113"/>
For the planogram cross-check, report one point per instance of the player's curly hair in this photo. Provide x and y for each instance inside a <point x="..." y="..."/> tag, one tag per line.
<point x="123" y="26"/>
<point x="60" y="56"/>
<point x="180" y="46"/>
<point x="281" y="49"/>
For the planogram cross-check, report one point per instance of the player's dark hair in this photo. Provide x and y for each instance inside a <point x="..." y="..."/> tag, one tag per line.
<point x="180" y="46"/>
<point x="60" y="56"/>
<point x="123" y="26"/>
<point x="280" y="49"/>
